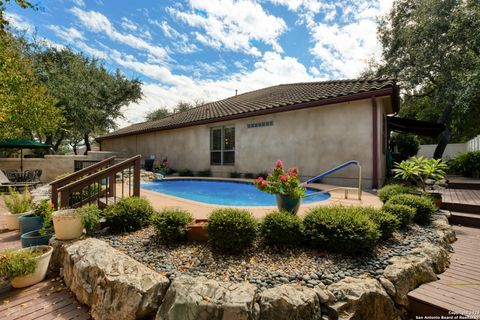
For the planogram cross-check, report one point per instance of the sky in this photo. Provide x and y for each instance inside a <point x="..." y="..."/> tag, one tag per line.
<point x="207" y="49"/>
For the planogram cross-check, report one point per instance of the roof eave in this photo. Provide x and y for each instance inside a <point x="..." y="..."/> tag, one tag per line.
<point x="390" y="91"/>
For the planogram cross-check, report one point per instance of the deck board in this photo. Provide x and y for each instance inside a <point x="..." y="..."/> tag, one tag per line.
<point x="49" y="299"/>
<point x="458" y="288"/>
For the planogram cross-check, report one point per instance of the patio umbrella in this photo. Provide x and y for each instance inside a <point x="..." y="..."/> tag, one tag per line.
<point x="22" y="144"/>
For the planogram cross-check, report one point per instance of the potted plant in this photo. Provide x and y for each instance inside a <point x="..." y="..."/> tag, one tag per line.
<point x="285" y="185"/>
<point x="419" y="170"/>
<point x="25" y="267"/>
<point x="39" y="236"/>
<point x="69" y="224"/>
<point x="18" y="205"/>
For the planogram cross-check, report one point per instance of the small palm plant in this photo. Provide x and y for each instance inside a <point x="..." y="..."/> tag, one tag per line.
<point x="420" y="169"/>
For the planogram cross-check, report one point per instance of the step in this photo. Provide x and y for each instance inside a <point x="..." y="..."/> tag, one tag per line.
<point x="465" y="219"/>
<point x="464" y="185"/>
<point x="461" y="207"/>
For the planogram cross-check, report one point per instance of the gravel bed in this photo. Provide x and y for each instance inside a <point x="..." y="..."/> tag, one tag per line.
<point x="263" y="266"/>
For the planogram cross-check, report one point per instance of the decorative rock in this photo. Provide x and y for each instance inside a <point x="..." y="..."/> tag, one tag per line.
<point x="388" y="286"/>
<point x="324" y="295"/>
<point x="289" y="302"/>
<point x="406" y="273"/>
<point x="197" y="298"/>
<point x="113" y="284"/>
<point x="59" y="250"/>
<point x="438" y="256"/>
<point x="361" y="298"/>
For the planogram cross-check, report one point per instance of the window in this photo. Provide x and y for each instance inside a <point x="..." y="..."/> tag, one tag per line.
<point x="222" y="146"/>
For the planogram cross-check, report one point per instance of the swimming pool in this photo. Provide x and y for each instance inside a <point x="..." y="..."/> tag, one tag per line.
<point x="228" y="193"/>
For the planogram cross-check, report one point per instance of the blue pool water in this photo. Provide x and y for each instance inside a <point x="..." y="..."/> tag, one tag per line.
<point x="221" y="192"/>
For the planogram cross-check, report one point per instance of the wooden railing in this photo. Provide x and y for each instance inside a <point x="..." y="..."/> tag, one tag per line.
<point x="76" y="176"/>
<point x="97" y="183"/>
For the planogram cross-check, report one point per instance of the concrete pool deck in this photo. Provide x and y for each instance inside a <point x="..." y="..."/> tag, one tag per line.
<point x="201" y="210"/>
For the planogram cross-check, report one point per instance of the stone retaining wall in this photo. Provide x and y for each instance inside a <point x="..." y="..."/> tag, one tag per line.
<point x="116" y="286"/>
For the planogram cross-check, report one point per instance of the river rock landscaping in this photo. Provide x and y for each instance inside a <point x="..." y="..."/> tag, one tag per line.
<point x="267" y="267"/>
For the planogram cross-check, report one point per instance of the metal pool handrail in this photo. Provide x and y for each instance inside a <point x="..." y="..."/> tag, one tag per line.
<point x="333" y="170"/>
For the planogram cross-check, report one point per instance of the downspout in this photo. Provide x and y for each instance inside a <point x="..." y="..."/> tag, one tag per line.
<point x="374" y="143"/>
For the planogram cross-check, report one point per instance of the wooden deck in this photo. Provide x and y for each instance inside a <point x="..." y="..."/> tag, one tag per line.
<point x="458" y="288"/>
<point x="49" y="299"/>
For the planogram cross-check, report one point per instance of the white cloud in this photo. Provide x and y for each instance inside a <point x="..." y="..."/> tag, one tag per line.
<point x="128" y="24"/>
<point x="68" y="34"/>
<point x="272" y="69"/>
<point x="18" y="22"/>
<point x="181" y="42"/>
<point x="98" y="23"/>
<point x="79" y="3"/>
<point x="232" y="24"/>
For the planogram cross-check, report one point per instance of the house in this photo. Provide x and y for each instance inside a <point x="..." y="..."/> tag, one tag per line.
<point x="314" y="126"/>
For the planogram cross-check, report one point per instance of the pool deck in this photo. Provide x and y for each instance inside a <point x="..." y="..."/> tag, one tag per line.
<point x="201" y="210"/>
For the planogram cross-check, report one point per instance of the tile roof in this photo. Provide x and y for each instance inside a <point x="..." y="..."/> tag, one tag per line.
<point x="267" y="100"/>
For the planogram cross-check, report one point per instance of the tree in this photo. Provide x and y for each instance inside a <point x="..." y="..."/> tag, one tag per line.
<point x="433" y="48"/>
<point x="22" y="3"/>
<point x="90" y="96"/>
<point x="158" y="114"/>
<point x="26" y="109"/>
<point x="181" y="106"/>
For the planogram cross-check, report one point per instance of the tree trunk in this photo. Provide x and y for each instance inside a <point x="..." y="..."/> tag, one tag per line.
<point x="445" y="136"/>
<point x="74" y="147"/>
<point x="87" y="144"/>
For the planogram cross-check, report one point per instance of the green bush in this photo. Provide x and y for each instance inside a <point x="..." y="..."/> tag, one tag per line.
<point x="387" y="223"/>
<point x="185" y="173"/>
<point x="282" y="228"/>
<point x="171" y="224"/>
<point x="17" y="263"/>
<point x="129" y="214"/>
<point x="249" y="175"/>
<point x="231" y="230"/>
<point x="338" y="228"/>
<point x="235" y="174"/>
<point x="403" y="213"/>
<point x="466" y="164"/>
<point x="424" y="207"/>
<point x="90" y="218"/>
<point x="204" y="173"/>
<point x="389" y="190"/>
<point x="16" y="202"/>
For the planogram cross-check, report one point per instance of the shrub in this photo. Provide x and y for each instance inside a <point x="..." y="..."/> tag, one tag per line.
<point x="204" y="173"/>
<point x="466" y="164"/>
<point x="231" y="230"/>
<point x="185" y="173"/>
<point x="90" y="218"/>
<point x="171" y="224"/>
<point x="129" y="214"/>
<point x="17" y="263"/>
<point x="281" y="228"/>
<point x="235" y="174"/>
<point x="403" y="213"/>
<point x="387" y="223"/>
<point x="424" y="207"/>
<point x="249" y="175"/>
<point x="16" y="202"/>
<point x="44" y="209"/>
<point x="338" y="228"/>
<point x="389" y="190"/>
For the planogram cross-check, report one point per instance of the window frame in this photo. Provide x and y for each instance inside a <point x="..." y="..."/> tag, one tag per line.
<point x="222" y="149"/>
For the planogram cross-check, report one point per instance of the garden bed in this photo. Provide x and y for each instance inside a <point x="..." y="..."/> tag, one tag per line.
<point x="264" y="266"/>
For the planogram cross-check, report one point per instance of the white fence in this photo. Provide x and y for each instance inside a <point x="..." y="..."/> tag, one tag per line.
<point x="474" y="144"/>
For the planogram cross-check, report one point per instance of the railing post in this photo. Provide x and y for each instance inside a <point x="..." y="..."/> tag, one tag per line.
<point x="359" y="182"/>
<point x="55" y="196"/>
<point x="111" y="185"/>
<point x="64" y="199"/>
<point x="136" y="178"/>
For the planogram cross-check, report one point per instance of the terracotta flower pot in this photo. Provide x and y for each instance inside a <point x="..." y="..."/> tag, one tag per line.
<point x="40" y="271"/>
<point x="67" y="224"/>
<point x="197" y="230"/>
<point x="11" y="220"/>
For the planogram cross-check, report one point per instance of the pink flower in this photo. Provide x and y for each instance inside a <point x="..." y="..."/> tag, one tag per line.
<point x="260" y="178"/>
<point x="303" y="185"/>
<point x="293" y="172"/>
<point x="284" y="178"/>
<point x="279" y="164"/>
<point x="264" y="183"/>
<point x="270" y="174"/>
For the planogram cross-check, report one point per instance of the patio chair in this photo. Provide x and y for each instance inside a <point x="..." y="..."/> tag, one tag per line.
<point x="5" y="183"/>
<point x="38" y="174"/>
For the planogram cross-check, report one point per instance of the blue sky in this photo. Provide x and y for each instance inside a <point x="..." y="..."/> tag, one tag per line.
<point x="207" y="49"/>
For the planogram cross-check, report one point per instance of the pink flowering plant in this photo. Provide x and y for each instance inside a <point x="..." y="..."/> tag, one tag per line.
<point x="281" y="182"/>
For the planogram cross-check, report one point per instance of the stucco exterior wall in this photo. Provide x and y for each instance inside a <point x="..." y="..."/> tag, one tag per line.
<point x="313" y="139"/>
